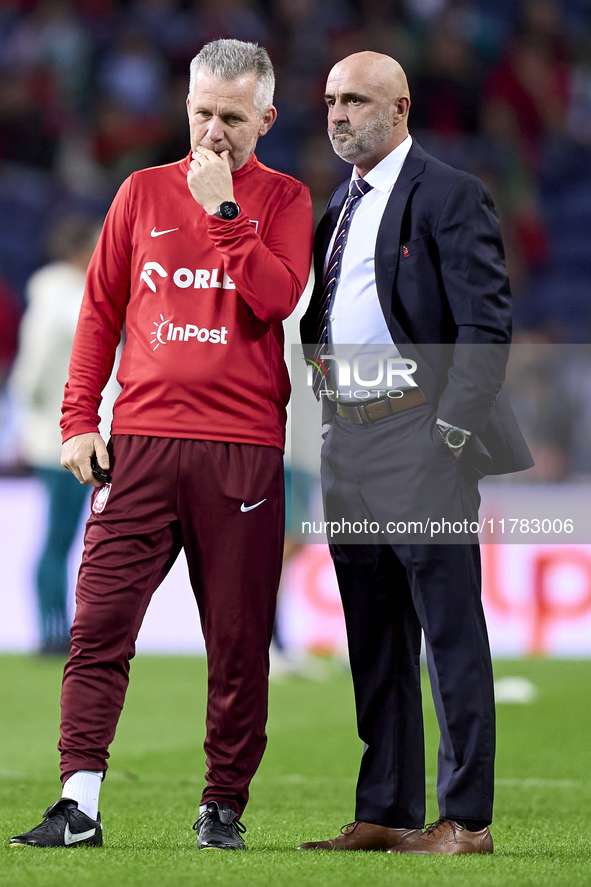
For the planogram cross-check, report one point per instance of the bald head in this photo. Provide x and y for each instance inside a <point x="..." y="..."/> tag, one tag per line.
<point x="368" y="103"/>
<point x="375" y="70"/>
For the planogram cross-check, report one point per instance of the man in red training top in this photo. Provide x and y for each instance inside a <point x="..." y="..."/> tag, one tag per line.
<point x="201" y="260"/>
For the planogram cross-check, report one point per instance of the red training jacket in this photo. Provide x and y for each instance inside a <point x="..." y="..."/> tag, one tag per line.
<point x="202" y="300"/>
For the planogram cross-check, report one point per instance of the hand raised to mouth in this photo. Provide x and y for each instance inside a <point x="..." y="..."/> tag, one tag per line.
<point x="210" y="178"/>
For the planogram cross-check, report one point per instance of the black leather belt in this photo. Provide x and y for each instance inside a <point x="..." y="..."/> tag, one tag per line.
<point x="367" y="413"/>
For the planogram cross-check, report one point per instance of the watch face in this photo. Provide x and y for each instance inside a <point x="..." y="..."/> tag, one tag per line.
<point x="455" y="438"/>
<point x="228" y="210"/>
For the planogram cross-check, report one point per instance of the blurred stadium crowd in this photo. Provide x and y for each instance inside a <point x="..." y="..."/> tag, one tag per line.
<point x="94" y="89"/>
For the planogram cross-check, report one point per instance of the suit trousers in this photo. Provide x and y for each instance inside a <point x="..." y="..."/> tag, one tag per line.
<point x="390" y="591"/>
<point x="224" y="504"/>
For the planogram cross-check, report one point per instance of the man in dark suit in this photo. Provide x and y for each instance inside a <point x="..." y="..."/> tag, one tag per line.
<point x="409" y="256"/>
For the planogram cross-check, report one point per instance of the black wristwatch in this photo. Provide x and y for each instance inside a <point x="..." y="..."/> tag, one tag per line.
<point x="227" y="210"/>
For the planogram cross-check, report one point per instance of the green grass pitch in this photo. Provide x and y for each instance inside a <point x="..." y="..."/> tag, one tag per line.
<point x="304" y="789"/>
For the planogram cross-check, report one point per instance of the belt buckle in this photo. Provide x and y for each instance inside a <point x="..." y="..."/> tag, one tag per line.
<point x="352" y="413"/>
<point x="358" y="411"/>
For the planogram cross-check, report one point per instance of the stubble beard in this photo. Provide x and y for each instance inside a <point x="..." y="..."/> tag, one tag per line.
<point x="365" y="141"/>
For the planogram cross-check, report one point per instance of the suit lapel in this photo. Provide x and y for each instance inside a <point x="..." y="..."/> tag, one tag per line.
<point x="388" y="239"/>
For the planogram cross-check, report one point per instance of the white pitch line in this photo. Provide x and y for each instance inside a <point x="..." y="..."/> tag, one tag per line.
<point x="543" y="783"/>
<point x="295" y="778"/>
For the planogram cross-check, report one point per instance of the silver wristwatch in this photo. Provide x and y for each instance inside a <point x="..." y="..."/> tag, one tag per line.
<point x="453" y="437"/>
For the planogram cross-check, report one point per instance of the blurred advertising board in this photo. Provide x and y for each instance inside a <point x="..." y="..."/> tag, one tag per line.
<point x="537" y="595"/>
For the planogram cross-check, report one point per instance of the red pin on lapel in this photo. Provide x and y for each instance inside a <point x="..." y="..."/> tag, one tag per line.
<point x="405" y="252"/>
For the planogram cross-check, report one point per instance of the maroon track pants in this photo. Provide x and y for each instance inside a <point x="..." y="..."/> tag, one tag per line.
<point x="167" y="495"/>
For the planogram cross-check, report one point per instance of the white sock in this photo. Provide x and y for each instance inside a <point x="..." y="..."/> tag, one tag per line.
<point x="84" y="787"/>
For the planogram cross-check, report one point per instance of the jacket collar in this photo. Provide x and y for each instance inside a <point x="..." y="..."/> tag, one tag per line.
<point x="412" y="167"/>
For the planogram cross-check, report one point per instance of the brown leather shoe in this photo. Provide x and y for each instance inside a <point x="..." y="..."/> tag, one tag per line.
<point x="364" y="836"/>
<point x="446" y="836"/>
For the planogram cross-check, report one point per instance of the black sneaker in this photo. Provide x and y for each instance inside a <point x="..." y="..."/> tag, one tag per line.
<point x="64" y="825"/>
<point x="219" y="828"/>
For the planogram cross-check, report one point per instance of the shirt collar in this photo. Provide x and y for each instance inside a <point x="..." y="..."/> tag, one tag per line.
<point x="383" y="176"/>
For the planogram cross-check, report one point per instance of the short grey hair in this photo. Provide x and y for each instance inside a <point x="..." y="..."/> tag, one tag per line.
<point x="230" y="59"/>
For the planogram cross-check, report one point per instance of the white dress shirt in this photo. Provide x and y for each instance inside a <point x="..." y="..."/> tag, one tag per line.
<point x="356" y="320"/>
<point x="356" y="316"/>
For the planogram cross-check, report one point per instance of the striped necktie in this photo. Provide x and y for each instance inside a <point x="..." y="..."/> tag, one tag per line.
<point x="357" y="188"/>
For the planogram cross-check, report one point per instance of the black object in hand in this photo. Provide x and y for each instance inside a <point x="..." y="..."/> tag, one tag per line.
<point x="99" y="472"/>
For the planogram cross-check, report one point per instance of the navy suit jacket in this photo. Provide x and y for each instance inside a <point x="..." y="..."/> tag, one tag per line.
<point x="443" y="288"/>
